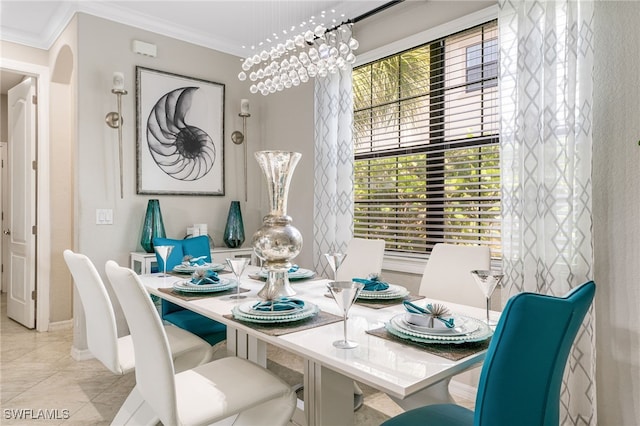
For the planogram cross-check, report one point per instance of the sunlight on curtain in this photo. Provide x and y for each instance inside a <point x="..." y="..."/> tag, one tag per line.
<point x="333" y="165"/>
<point x="546" y="55"/>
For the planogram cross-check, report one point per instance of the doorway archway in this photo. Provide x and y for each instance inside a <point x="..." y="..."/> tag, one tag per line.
<point x="62" y="172"/>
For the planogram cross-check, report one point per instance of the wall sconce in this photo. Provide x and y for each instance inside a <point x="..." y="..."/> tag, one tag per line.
<point x="238" y="137"/>
<point x="114" y="119"/>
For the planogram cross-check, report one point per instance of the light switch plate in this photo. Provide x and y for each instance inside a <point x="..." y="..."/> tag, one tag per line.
<point x="104" y="217"/>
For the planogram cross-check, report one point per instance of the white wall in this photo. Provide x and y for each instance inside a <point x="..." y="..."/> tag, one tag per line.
<point x="616" y="203"/>
<point x="4" y="133"/>
<point x="409" y="18"/>
<point x="19" y="52"/>
<point x="287" y="124"/>
<point x="105" y="47"/>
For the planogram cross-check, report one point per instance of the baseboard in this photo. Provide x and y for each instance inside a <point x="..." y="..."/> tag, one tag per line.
<point x="81" y="354"/>
<point x="462" y="390"/>
<point x="60" y="325"/>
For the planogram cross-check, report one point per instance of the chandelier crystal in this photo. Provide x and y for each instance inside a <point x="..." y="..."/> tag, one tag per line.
<point x="311" y="53"/>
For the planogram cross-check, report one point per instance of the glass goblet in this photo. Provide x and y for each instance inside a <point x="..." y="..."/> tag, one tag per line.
<point x="237" y="266"/>
<point x="345" y="293"/>
<point x="163" y="252"/>
<point x="487" y="281"/>
<point x="335" y="260"/>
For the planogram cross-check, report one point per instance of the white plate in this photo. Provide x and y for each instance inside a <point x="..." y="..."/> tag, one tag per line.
<point x="241" y="312"/>
<point x="246" y="309"/>
<point x="300" y="274"/>
<point x="221" y="282"/>
<point x="390" y="289"/>
<point x="188" y="269"/>
<point x="275" y="320"/>
<point x="395" y="327"/>
<point x="393" y="292"/>
<point x="188" y="287"/>
<point x="419" y="323"/>
<point x="276" y="313"/>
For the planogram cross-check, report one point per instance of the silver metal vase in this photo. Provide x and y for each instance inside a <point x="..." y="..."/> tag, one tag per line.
<point x="277" y="242"/>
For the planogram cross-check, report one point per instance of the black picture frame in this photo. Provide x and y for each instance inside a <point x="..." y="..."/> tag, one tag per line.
<point x="180" y="134"/>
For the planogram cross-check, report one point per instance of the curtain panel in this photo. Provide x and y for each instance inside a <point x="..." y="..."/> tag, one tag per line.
<point x="333" y="165"/>
<point x="546" y="61"/>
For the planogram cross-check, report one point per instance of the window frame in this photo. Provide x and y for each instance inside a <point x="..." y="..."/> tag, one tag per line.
<point x="412" y="262"/>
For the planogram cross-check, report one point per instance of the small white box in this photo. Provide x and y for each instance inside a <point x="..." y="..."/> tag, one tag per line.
<point x="146" y="49"/>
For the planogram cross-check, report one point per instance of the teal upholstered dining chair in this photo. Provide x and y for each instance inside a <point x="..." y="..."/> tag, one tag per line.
<point x="208" y="329"/>
<point x="522" y="372"/>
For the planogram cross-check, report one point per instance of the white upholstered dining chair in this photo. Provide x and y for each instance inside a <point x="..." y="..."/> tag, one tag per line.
<point x="447" y="277"/>
<point x="116" y="353"/>
<point x="364" y="257"/>
<point x="208" y="393"/>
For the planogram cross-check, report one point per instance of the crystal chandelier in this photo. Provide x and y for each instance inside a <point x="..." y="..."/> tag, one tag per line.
<point x="315" y="52"/>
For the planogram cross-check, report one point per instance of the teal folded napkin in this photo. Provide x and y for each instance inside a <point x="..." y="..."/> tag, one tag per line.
<point x="198" y="261"/>
<point x="371" y="284"/>
<point x="294" y="268"/>
<point x="202" y="277"/>
<point x="282" y="304"/>
<point x="428" y="310"/>
<point x="189" y="260"/>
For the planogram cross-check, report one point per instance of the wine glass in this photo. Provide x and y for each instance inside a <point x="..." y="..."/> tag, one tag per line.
<point x="345" y="293"/>
<point x="163" y="252"/>
<point x="237" y="266"/>
<point x="487" y="281"/>
<point x="335" y="260"/>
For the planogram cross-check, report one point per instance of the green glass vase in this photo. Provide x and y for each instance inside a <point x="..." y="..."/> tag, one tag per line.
<point x="234" y="229"/>
<point x="153" y="226"/>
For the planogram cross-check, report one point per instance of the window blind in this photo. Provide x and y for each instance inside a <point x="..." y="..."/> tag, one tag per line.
<point x="426" y="144"/>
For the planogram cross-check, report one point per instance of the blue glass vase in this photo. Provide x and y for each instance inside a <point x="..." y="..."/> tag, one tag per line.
<point x="153" y="226"/>
<point x="234" y="230"/>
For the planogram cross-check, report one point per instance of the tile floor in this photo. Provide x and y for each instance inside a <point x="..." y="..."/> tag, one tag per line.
<point x="40" y="381"/>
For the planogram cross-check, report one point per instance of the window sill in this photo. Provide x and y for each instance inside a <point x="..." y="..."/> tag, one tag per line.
<point x="404" y="263"/>
<point x="415" y="264"/>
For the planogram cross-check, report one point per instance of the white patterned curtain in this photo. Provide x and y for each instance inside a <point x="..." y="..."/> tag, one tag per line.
<point x="333" y="183"/>
<point x="546" y="50"/>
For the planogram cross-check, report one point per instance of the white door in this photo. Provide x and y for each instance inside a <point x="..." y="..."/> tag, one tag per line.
<point x="20" y="221"/>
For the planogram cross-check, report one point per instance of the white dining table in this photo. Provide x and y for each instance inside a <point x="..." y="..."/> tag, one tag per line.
<point x="397" y="369"/>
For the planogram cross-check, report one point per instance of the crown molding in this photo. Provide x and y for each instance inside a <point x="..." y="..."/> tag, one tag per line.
<point x="48" y="35"/>
<point x="123" y="15"/>
<point x="116" y="13"/>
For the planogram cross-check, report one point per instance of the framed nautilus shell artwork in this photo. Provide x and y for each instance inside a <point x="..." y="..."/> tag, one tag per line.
<point x="180" y="122"/>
